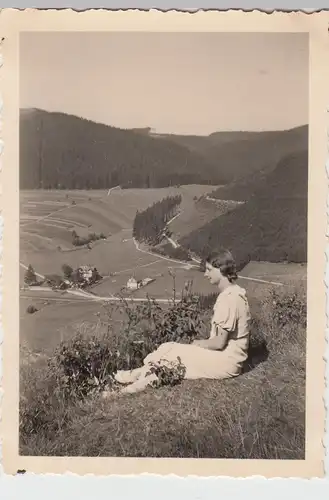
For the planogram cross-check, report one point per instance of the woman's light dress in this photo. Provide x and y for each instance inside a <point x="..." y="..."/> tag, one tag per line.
<point x="231" y="312"/>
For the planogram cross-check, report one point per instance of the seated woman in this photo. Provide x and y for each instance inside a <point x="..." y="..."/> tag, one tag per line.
<point x="220" y="356"/>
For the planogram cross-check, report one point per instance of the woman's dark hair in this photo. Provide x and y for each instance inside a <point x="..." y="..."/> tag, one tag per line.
<point x="223" y="260"/>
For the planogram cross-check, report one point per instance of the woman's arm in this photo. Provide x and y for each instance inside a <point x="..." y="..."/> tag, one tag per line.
<point x="216" y="343"/>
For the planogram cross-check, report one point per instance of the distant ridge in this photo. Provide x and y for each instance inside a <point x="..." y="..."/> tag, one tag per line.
<point x="58" y="150"/>
<point x="67" y="152"/>
<point x="240" y="154"/>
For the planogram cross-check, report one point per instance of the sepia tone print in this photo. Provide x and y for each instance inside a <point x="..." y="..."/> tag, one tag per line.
<point x="163" y="245"/>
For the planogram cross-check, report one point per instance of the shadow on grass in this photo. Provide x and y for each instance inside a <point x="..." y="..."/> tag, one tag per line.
<point x="258" y="351"/>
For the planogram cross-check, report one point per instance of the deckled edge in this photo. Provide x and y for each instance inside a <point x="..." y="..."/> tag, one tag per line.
<point x="191" y="11"/>
<point x="326" y="280"/>
<point x="1" y="250"/>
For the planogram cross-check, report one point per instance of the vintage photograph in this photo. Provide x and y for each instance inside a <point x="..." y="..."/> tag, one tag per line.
<point x="162" y="269"/>
<point x="163" y="244"/>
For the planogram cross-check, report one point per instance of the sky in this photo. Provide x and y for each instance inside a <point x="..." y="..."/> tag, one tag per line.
<point x="183" y="83"/>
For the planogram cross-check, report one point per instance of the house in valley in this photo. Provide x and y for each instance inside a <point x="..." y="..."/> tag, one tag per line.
<point x="136" y="282"/>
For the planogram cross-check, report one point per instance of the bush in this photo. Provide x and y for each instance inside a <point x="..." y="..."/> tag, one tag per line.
<point x="148" y="325"/>
<point x="31" y="309"/>
<point x="79" y="241"/>
<point x="82" y="366"/>
<point x="288" y="309"/>
<point x="30" y="276"/>
<point x="56" y="282"/>
<point x="168" y="373"/>
<point x="67" y="271"/>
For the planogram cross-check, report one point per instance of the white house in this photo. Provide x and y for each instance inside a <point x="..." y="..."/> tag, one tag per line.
<point x="135" y="284"/>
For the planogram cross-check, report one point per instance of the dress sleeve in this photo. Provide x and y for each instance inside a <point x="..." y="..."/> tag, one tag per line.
<point x="226" y="314"/>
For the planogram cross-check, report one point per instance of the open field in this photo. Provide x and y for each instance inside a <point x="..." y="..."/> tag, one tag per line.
<point x="47" y="219"/>
<point x="54" y="321"/>
<point x="55" y="214"/>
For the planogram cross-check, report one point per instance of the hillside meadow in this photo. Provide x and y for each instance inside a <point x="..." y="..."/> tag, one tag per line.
<point x="48" y="217"/>
<point x="259" y="415"/>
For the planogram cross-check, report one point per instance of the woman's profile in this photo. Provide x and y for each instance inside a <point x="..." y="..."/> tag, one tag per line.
<point x="220" y="356"/>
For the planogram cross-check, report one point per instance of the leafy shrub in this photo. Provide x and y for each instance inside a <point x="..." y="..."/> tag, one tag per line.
<point x="167" y="373"/>
<point x="79" y="241"/>
<point x="67" y="271"/>
<point x="82" y="366"/>
<point x="56" y="281"/>
<point x="282" y="320"/>
<point x="149" y="325"/>
<point x="30" y="276"/>
<point x="288" y="309"/>
<point x="31" y="309"/>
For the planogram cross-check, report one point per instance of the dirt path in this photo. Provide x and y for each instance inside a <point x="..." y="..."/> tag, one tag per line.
<point x="180" y="262"/>
<point x="91" y="298"/>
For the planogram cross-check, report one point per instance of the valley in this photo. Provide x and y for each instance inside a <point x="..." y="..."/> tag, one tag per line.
<point x="47" y="219"/>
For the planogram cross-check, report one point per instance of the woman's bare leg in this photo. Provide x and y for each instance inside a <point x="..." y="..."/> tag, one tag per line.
<point x="140" y="384"/>
<point x="127" y="376"/>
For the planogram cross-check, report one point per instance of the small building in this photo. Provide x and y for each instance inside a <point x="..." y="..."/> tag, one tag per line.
<point x="85" y="276"/>
<point x="134" y="283"/>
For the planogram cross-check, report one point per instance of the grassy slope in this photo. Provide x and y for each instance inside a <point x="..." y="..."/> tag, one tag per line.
<point x="258" y="415"/>
<point x="119" y="209"/>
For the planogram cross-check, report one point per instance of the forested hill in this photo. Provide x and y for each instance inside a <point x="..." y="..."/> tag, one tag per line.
<point x="64" y="151"/>
<point x="245" y="187"/>
<point x="241" y="154"/>
<point x="271" y="226"/>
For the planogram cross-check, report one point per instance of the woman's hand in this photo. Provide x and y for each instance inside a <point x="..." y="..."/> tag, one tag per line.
<point x="197" y="342"/>
<point x="217" y="343"/>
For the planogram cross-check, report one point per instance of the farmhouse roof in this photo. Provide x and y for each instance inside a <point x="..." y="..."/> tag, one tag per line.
<point x="139" y="275"/>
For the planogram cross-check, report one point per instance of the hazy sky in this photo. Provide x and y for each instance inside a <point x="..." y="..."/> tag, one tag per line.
<point x="189" y="83"/>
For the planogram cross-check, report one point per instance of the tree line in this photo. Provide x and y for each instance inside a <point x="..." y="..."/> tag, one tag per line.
<point x="79" y="241"/>
<point x="59" y="151"/>
<point x="150" y="224"/>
